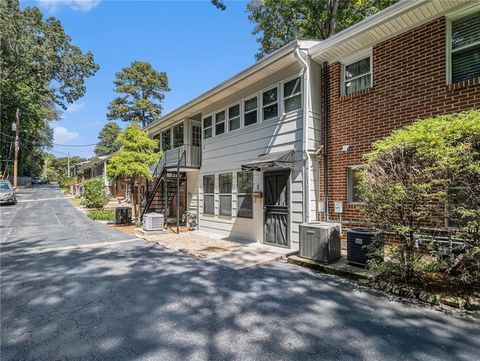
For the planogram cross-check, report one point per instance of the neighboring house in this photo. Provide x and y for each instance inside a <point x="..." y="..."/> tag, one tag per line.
<point x="258" y="148"/>
<point x="96" y="167"/>
<point x="413" y="60"/>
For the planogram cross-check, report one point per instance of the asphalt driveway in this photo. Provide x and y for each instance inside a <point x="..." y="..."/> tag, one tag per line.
<point x="72" y="289"/>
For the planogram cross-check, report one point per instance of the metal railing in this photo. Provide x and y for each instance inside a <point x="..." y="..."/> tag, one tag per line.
<point x="192" y="156"/>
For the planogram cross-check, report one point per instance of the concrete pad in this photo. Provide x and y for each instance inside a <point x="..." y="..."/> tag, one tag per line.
<point x="250" y="255"/>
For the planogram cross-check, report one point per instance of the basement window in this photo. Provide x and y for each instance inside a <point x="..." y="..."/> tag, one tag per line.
<point x="357" y="76"/>
<point x="244" y="197"/>
<point x="464" y="36"/>
<point x="225" y="190"/>
<point x="354" y="177"/>
<point x="209" y="194"/>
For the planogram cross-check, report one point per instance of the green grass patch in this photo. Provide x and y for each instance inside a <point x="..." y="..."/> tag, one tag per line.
<point x="101" y="215"/>
<point x="76" y="201"/>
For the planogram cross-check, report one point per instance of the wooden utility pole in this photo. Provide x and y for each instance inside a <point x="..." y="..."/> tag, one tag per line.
<point x="17" y="148"/>
<point x="68" y="165"/>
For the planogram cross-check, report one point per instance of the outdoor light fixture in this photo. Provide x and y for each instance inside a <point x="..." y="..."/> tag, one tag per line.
<point x="346" y="148"/>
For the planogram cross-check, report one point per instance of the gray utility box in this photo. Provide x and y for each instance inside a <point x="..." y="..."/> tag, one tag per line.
<point x="320" y="241"/>
<point x="153" y="221"/>
<point x="358" y="240"/>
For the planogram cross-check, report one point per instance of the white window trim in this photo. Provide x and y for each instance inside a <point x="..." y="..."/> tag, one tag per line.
<point x="239" y="194"/>
<point x="209" y="194"/>
<point x="263" y="105"/>
<point x="239" y="117"/>
<point x="225" y="194"/>
<point x="353" y="59"/>
<point x="161" y="137"/>
<point x="215" y="122"/>
<point x="172" y="136"/>
<point x="349" y="183"/>
<point x="282" y="84"/>
<point x="246" y="112"/>
<point x="210" y="127"/>
<point x="448" y="38"/>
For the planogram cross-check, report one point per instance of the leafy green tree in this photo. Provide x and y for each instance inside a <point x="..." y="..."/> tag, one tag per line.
<point x="143" y="91"/>
<point x="278" y="22"/>
<point x="421" y="176"/>
<point x="56" y="168"/>
<point x="133" y="160"/>
<point x="108" y="143"/>
<point x="40" y="70"/>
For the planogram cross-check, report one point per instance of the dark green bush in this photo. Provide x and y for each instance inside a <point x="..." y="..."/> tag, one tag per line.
<point x="94" y="195"/>
<point x="102" y="215"/>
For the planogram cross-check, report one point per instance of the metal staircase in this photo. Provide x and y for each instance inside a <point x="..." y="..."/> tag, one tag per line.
<point x="165" y="186"/>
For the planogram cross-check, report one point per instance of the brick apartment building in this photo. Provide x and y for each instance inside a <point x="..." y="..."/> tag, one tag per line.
<point x="424" y="60"/>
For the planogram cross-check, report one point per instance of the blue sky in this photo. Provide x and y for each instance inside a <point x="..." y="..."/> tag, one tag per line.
<point x="195" y="43"/>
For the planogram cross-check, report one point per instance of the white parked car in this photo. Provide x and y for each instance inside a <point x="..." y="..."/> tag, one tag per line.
<point x="7" y="193"/>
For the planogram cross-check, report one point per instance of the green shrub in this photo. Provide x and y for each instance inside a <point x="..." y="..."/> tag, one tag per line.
<point x="421" y="176"/>
<point x="102" y="215"/>
<point x="65" y="183"/>
<point x="94" y="195"/>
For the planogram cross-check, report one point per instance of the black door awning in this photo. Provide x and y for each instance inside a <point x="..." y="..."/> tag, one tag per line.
<point x="283" y="159"/>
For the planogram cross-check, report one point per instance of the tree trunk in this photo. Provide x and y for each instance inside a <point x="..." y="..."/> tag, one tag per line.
<point x="134" y="200"/>
<point x="333" y="9"/>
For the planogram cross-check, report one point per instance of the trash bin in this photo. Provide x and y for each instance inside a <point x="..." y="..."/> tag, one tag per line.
<point x="123" y="215"/>
<point x="358" y="240"/>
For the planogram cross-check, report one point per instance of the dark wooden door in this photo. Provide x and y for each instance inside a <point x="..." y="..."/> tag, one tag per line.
<point x="276" y="208"/>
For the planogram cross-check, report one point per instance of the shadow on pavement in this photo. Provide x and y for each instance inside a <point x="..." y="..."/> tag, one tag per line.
<point x="142" y="302"/>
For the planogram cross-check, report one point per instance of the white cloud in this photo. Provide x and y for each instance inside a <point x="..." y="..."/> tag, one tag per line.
<point x="62" y="135"/>
<point x="78" y="5"/>
<point x="75" y="107"/>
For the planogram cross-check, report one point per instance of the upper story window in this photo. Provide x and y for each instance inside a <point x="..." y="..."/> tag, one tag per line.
<point x="234" y="117"/>
<point x="292" y="95"/>
<point x="178" y="135"/>
<point x="166" y="140"/>
<point x="465" y="48"/>
<point x="270" y="103"/>
<point x="357" y="76"/>
<point x="250" y="111"/>
<point x="220" y="123"/>
<point x="207" y="127"/>
<point x="196" y="135"/>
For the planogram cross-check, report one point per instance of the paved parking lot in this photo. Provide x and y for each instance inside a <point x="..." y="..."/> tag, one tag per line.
<point x="73" y="289"/>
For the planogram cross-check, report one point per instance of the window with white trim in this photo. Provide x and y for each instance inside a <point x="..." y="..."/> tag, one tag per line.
<point x="250" y="111"/>
<point x="209" y="194"/>
<point x="354" y="178"/>
<point x="207" y="127"/>
<point x="292" y="95"/>
<point x="225" y="190"/>
<point x="196" y="135"/>
<point x="270" y="103"/>
<point x="357" y="76"/>
<point x="178" y="135"/>
<point x="220" y="123"/>
<point x="465" y="48"/>
<point x="166" y="139"/>
<point x="234" y="117"/>
<point x="244" y="194"/>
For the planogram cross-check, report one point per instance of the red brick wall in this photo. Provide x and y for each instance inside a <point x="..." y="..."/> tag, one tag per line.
<point x="409" y="73"/>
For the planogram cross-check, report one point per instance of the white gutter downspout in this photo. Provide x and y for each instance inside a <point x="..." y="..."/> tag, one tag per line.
<point x="306" y="156"/>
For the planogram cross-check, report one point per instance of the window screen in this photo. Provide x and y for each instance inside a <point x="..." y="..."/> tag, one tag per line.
<point x="244" y="197"/>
